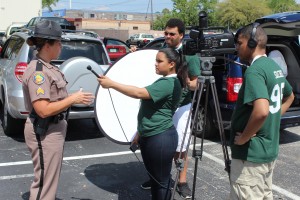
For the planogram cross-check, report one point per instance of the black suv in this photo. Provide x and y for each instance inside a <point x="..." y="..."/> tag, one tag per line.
<point x="64" y="24"/>
<point x="283" y="32"/>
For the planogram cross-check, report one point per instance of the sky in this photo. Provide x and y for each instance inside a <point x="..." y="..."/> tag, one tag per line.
<point x="143" y="6"/>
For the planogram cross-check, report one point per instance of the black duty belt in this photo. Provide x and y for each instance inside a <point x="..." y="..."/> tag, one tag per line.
<point x="53" y="119"/>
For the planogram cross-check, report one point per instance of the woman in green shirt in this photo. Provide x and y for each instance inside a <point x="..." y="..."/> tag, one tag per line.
<point x="157" y="135"/>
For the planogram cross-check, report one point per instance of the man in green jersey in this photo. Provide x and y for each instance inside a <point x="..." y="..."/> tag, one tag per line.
<point x="254" y="139"/>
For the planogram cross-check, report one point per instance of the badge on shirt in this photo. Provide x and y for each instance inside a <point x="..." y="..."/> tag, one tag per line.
<point x="39" y="78"/>
<point x="40" y="91"/>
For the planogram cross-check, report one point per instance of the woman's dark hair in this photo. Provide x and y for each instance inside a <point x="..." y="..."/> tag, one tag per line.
<point x="40" y="42"/>
<point x="180" y="64"/>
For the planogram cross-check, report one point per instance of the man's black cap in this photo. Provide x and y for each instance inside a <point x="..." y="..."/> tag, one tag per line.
<point x="45" y="29"/>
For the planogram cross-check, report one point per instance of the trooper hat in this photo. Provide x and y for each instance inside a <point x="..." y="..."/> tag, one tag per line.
<point x="45" y="29"/>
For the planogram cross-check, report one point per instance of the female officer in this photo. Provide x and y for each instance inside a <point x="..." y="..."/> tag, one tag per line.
<point x="157" y="135"/>
<point x="46" y="97"/>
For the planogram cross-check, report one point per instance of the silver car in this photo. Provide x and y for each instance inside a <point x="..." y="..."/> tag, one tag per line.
<point x="78" y="51"/>
<point x="140" y="39"/>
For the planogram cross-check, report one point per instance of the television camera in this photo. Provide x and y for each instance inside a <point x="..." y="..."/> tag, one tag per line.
<point x="208" y="41"/>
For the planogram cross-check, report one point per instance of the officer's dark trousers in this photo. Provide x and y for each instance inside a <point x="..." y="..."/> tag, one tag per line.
<point x="158" y="152"/>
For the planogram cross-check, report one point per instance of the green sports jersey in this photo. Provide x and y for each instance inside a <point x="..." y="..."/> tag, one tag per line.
<point x="263" y="80"/>
<point x="155" y="114"/>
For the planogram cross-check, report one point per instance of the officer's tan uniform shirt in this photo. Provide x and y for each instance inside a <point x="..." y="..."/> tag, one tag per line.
<point x="47" y="84"/>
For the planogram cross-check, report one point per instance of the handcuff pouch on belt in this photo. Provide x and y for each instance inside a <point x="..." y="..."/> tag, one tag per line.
<point x="41" y="125"/>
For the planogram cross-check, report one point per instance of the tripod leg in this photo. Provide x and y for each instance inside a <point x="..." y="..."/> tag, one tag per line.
<point x="197" y="154"/>
<point x="180" y="163"/>
<point x="220" y="125"/>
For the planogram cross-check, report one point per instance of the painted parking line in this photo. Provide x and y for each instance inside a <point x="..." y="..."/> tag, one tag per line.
<point x="82" y="157"/>
<point x="72" y="158"/>
<point x="15" y="176"/>
<point x="209" y="156"/>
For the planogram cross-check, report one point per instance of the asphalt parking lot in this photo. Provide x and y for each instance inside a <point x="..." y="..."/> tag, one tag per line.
<point x="95" y="168"/>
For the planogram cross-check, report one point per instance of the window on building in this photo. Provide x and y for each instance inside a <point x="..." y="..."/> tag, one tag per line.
<point x="135" y="28"/>
<point x="92" y="15"/>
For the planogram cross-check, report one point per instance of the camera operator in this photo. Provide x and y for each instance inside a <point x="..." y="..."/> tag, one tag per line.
<point x="174" y="33"/>
<point x="254" y="139"/>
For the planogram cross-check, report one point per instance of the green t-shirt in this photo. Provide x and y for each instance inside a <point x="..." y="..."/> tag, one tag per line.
<point x="193" y="63"/>
<point x="263" y="80"/>
<point x="155" y="114"/>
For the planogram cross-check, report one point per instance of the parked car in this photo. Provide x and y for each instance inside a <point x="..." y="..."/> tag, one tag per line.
<point x="283" y="32"/>
<point x="65" y="24"/>
<point x="2" y="37"/>
<point x="116" y="48"/>
<point x="77" y="53"/>
<point x="140" y="39"/>
<point x="14" y="27"/>
<point x="88" y="33"/>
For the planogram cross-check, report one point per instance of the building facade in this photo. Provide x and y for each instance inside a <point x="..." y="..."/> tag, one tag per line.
<point x="119" y="25"/>
<point x="16" y="11"/>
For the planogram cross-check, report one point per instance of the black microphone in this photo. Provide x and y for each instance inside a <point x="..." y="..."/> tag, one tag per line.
<point x="90" y="68"/>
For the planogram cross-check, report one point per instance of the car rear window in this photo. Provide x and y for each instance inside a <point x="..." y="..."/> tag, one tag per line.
<point x="70" y="49"/>
<point x="91" y="50"/>
<point x="147" y="36"/>
<point x="58" y="20"/>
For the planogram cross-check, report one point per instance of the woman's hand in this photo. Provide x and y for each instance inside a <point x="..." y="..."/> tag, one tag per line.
<point x="136" y="139"/>
<point x="82" y="97"/>
<point x="105" y="82"/>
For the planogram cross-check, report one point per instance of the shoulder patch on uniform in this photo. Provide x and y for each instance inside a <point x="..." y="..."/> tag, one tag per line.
<point x="38" y="78"/>
<point x="40" y="91"/>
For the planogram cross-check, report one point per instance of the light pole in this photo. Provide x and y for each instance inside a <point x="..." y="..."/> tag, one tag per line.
<point x="151" y="16"/>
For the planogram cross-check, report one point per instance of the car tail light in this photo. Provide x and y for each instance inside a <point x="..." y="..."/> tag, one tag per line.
<point x="233" y="87"/>
<point x="19" y="70"/>
<point x="122" y="49"/>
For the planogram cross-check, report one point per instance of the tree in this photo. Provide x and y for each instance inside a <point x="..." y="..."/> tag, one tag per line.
<point x="278" y="6"/>
<point x="160" y="22"/>
<point x="48" y="3"/>
<point x="237" y="13"/>
<point x="187" y="11"/>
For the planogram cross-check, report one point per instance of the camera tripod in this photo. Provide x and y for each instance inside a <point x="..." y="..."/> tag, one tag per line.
<point x="206" y="79"/>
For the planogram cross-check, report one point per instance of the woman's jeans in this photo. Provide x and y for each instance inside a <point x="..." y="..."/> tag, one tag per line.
<point x="158" y="152"/>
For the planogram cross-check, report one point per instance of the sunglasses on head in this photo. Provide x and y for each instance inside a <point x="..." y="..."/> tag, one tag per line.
<point x="171" y="34"/>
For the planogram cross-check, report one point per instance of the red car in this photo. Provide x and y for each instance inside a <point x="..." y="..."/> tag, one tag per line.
<point x="115" y="48"/>
<point x="115" y="51"/>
